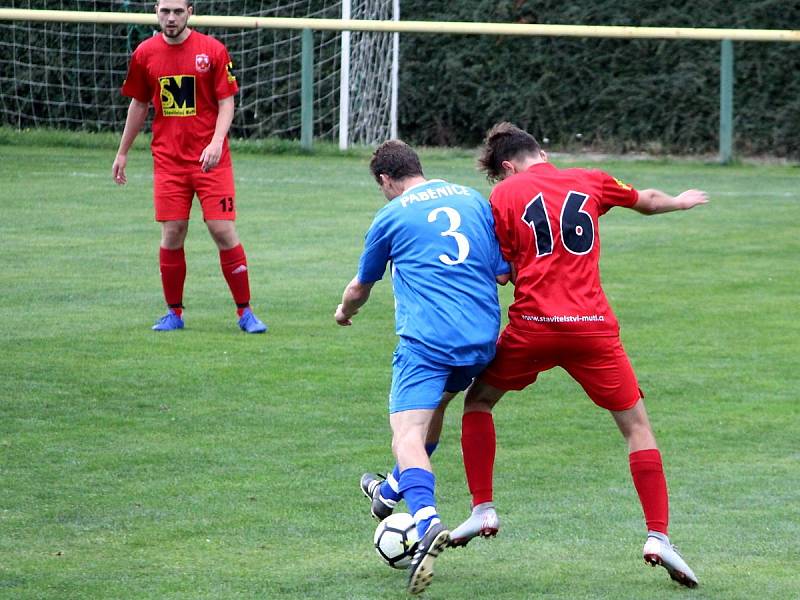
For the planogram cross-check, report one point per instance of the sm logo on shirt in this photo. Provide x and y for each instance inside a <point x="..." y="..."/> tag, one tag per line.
<point x="178" y="96"/>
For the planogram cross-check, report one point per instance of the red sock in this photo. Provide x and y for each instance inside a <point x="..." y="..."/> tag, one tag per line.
<point x="478" y="444"/>
<point x="234" y="268"/>
<point x="173" y="275"/>
<point x="651" y="485"/>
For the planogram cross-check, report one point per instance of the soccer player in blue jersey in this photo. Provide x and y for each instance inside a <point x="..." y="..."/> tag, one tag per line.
<point x="446" y="263"/>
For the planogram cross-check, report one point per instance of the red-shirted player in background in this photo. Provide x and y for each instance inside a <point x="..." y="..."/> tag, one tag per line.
<point x="546" y="220"/>
<point x="188" y="77"/>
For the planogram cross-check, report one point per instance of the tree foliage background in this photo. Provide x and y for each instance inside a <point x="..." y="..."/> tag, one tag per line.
<point x="602" y="94"/>
<point x="609" y="94"/>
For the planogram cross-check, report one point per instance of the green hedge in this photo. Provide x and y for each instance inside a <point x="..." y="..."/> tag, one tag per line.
<point x="602" y="94"/>
<point x="606" y="94"/>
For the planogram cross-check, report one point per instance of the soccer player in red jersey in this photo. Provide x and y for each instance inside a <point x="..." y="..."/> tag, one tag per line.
<point x="546" y="220"/>
<point x="189" y="79"/>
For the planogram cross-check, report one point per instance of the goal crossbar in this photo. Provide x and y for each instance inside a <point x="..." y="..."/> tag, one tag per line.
<point x="448" y="27"/>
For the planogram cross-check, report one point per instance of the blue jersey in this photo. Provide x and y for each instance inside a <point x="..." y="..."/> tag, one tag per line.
<point x="440" y="240"/>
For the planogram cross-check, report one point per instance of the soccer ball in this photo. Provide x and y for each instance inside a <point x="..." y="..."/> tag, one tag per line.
<point x="396" y="540"/>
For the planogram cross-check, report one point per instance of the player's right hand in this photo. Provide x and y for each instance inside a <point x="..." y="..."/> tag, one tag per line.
<point x="118" y="169"/>
<point x="691" y="198"/>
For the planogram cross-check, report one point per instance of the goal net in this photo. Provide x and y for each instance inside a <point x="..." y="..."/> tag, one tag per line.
<point x="68" y="75"/>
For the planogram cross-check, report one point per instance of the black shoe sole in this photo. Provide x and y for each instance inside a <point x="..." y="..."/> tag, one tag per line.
<point x="422" y="573"/>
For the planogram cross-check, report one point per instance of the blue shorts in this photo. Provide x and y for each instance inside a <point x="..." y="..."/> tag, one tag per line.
<point x="418" y="383"/>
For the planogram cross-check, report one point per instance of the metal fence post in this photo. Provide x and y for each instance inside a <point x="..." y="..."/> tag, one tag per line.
<point x="726" y="102"/>
<point x="307" y="90"/>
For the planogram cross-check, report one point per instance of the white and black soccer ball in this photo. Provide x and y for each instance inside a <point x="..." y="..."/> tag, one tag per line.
<point x="396" y="540"/>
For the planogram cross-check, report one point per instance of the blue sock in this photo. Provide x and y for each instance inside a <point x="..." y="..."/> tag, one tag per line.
<point x="390" y="489"/>
<point x="417" y="487"/>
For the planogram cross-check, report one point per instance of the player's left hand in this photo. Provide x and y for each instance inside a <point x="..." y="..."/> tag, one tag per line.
<point x="341" y="318"/>
<point x="210" y="156"/>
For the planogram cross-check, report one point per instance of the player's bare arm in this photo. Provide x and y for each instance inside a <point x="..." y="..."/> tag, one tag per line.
<point x="137" y="114"/>
<point x="213" y="152"/>
<point x="354" y="297"/>
<point x="653" y="202"/>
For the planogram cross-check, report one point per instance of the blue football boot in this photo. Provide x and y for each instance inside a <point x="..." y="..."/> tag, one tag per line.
<point x="169" y="322"/>
<point x="250" y="323"/>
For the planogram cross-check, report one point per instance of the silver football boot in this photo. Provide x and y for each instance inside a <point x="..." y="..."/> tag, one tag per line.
<point x="482" y="522"/>
<point x="658" y="551"/>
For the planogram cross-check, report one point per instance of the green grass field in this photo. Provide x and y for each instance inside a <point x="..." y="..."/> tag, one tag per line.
<point x="210" y="464"/>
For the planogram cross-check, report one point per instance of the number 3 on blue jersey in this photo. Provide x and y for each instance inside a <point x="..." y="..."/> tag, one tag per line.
<point x="460" y="238"/>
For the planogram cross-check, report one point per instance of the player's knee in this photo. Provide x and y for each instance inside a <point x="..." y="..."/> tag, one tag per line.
<point x="173" y="234"/>
<point x="480" y="398"/>
<point x="641" y="438"/>
<point x="407" y="438"/>
<point x="223" y="234"/>
<point x="477" y="407"/>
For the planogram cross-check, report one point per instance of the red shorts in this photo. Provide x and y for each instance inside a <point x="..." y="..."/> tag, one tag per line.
<point x="598" y="363"/>
<point x="173" y="194"/>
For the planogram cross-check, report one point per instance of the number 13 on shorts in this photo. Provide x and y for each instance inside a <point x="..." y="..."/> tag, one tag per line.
<point x="226" y="204"/>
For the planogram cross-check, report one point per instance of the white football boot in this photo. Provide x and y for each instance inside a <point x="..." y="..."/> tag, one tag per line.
<point x="658" y="551"/>
<point x="482" y="522"/>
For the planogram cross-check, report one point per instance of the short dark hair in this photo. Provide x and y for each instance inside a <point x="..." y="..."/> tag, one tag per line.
<point x="395" y="159"/>
<point x="505" y="141"/>
<point x="189" y="3"/>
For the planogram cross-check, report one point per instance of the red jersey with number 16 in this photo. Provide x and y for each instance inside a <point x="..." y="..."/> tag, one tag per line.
<point x="546" y="220"/>
<point x="185" y="83"/>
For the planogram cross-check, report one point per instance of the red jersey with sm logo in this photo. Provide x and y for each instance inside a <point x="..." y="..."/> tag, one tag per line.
<point x="185" y="83"/>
